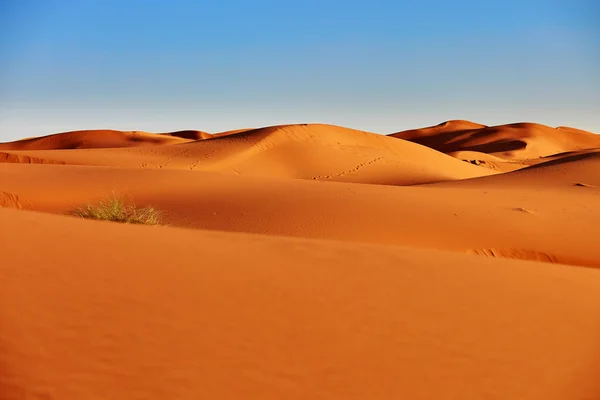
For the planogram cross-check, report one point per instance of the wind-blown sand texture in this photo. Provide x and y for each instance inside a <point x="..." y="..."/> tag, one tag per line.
<point x="304" y="262"/>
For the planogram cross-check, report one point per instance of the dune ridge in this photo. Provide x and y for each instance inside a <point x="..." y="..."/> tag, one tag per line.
<point x="522" y="140"/>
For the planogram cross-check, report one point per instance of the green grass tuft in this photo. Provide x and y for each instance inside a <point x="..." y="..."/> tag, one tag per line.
<point x="117" y="209"/>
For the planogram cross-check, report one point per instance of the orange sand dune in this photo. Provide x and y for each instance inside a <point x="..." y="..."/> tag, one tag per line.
<point x="91" y="139"/>
<point x="580" y="169"/>
<point x="503" y="165"/>
<point x="98" y="310"/>
<point x="545" y="217"/>
<point x="513" y="141"/>
<point x="315" y="152"/>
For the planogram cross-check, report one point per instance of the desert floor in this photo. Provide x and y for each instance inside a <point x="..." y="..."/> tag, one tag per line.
<point x="309" y="261"/>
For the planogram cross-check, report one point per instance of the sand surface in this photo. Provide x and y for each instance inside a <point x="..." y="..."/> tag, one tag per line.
<point x="303" y="261"/>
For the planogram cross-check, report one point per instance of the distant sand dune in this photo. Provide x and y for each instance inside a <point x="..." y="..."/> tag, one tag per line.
<point x="512" y="141"/>
<point x="566" y="170"/>
<point x="91" y="139"/>
<point x="314" y="152"/>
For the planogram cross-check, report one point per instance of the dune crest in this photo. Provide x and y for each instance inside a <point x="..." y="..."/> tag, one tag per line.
<point x="518" y="141"/>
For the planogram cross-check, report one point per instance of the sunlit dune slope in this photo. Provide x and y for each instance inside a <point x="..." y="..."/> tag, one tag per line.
<point x="543" y="217"/>
<point x="116" y="311"/>
<point x="512" y="141"/>
<point x="314" y="152"/>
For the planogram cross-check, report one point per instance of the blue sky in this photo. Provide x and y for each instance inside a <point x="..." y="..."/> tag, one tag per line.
<point x="382" y="66"/>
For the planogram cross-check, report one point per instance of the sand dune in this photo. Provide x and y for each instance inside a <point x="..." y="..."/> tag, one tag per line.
<point x="512" y="141"/>
<point x="314" y="152"/>
<point x="91" y="139"/>
<point x="580" y="169"/>
<point x="97" y="310"/>
<point x="304" y="262"/>
<point x="532" y="215"/>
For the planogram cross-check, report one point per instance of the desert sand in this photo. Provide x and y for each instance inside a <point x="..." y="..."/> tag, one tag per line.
<point x="310" y="261"/>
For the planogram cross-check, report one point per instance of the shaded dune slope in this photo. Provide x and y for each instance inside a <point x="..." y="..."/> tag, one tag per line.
<point x="315" y="152"/>
<point x="189" y="134"/>
<point x="282" y="318"/>
<point x="512" y="141"/>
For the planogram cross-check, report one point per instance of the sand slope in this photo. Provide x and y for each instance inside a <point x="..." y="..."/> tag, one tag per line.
<point x="103" y="310"/>
<point x="544" y="216"/>
<point x="314" y="152"/>
<point x="512" y="141"/>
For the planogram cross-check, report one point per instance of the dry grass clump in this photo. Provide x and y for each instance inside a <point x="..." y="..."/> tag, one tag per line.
<point x="118" y="209"/>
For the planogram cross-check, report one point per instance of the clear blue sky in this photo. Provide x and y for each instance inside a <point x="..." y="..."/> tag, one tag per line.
<point x="382" y="66"/>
